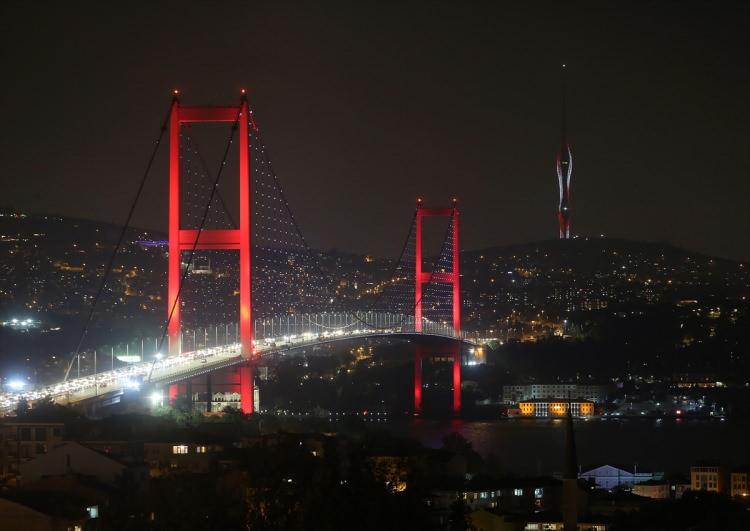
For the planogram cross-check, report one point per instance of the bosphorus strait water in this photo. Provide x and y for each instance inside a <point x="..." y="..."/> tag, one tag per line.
<point x="535" y="446"/>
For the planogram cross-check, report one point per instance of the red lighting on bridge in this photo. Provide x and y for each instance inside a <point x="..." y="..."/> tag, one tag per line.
<point x="450" y="277"/>
<point x="185" y="240"/>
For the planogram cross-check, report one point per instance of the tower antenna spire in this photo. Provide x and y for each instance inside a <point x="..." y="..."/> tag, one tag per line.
<point x="563" y="90"/>
<point x="564" y="167"/>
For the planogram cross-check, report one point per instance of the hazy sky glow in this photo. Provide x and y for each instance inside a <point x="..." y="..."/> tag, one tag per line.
<point x="364" y="106"/>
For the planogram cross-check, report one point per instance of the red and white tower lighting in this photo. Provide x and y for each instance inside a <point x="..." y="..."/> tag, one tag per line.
<point x="564" y="169"/>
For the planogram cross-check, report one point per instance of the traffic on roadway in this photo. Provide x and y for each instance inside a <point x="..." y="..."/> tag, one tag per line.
<point x="169" y="368"/>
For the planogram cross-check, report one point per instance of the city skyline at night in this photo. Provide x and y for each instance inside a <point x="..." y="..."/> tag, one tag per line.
<point x="283" y="266"/>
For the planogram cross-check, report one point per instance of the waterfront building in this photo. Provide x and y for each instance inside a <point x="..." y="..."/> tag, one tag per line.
<point x="547" y="524"/>
<point x="513" y="394"/>
<point x="551" y="407"/>
<point x="738" y="484"/>
<point x="712" y="478"/>
<point x="608" y="477"/>
<point x="656" y="490"/>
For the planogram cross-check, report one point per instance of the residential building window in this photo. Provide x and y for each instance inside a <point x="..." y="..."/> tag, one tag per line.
<point x="200" y="449"/>
<point x="518" y="492"/>
<point x="180" y="449"/>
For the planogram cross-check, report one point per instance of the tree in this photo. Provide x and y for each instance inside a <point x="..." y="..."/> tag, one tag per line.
<point x="459" y="517"/>
<point x="184" y="413"/>
<point x="22" y="407"/>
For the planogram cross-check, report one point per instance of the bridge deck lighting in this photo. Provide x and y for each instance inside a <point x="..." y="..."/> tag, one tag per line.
<point x="156" y="398"/>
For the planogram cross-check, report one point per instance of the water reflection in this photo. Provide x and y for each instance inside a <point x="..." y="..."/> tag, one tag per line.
<point x="520" y="445"/>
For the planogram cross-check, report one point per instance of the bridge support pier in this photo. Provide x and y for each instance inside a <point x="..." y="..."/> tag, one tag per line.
<point x="174" y="392"/>
<point x="209" y="393"/>
<point x="455" y="353"/>
<point x="233" y="379"/>
<point x="247" y="390"/>
<point x="457" y="379"/>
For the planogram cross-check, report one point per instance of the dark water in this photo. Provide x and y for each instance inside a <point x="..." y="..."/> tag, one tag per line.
<point x="527" y="446"/>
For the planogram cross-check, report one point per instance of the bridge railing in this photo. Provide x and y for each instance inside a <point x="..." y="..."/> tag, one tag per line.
<point x="308" y="326"/>
<point x="345" y="323"/>
<point x="312" y="325"/>
<point x="140" y="360"/>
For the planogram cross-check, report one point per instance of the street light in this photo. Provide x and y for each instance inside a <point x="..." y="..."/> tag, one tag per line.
<point x="156" y="398"/>
<point x="16" y="385"/>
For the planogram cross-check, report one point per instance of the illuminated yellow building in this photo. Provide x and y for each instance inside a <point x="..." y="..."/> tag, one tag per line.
<point x="712" y="478"/>
<point x="555" y="407"/>
<point x="739" y="484"/>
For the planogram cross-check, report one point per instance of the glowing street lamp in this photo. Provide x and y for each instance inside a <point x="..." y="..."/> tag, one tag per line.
<point x="16" y="384"/>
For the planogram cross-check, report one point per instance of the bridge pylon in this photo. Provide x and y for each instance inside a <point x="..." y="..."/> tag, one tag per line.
<point x="452" y="351"/>
<point x="448" y="277"/>
<point x="187" y="239"/>
<point x="211" y="239"/>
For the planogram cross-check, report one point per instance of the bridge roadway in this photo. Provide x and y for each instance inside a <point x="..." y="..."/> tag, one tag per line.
<point x="187" y="364"/>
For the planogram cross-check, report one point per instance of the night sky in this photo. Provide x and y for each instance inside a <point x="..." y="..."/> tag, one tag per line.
<point x="365" y="106"/>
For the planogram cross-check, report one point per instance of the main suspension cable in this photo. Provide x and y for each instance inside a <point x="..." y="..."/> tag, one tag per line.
<point x="214" y="188"/>
<point x="277" y="185"/>
<point x="120" y="240"/>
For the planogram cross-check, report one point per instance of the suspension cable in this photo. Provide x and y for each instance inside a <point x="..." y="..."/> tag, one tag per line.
<point x="214" y="188"/>
<point x="120" y="240"/>
<point x="207" y="176"/>
<point x="277" y="185"/>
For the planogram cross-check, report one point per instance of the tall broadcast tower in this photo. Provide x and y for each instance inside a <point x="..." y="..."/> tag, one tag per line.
<point x="564" y="167"/>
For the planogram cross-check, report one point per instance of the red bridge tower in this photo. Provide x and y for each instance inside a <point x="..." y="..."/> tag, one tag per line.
<point x="448" y="277"/>
<point x="185" y="239"/>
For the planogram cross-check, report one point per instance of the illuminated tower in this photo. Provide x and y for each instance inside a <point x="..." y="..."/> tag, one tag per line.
<point x="564" y="167"/>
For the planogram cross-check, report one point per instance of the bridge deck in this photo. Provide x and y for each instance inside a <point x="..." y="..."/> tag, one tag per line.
<point x="175" y="368"/>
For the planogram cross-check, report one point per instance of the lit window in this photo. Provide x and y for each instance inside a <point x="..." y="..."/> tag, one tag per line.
<point x="180" y="449"/>
<point x="200" y="449"/>
<point x="518" y="492"/>
<point x="538" y="493"/>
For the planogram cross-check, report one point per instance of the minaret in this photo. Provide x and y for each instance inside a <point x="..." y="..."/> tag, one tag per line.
<point x="570" y="477"/>
<point x="564" y="169"/>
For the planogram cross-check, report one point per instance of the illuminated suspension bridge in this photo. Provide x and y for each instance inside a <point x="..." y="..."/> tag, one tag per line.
<point x="289" y="293"/>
